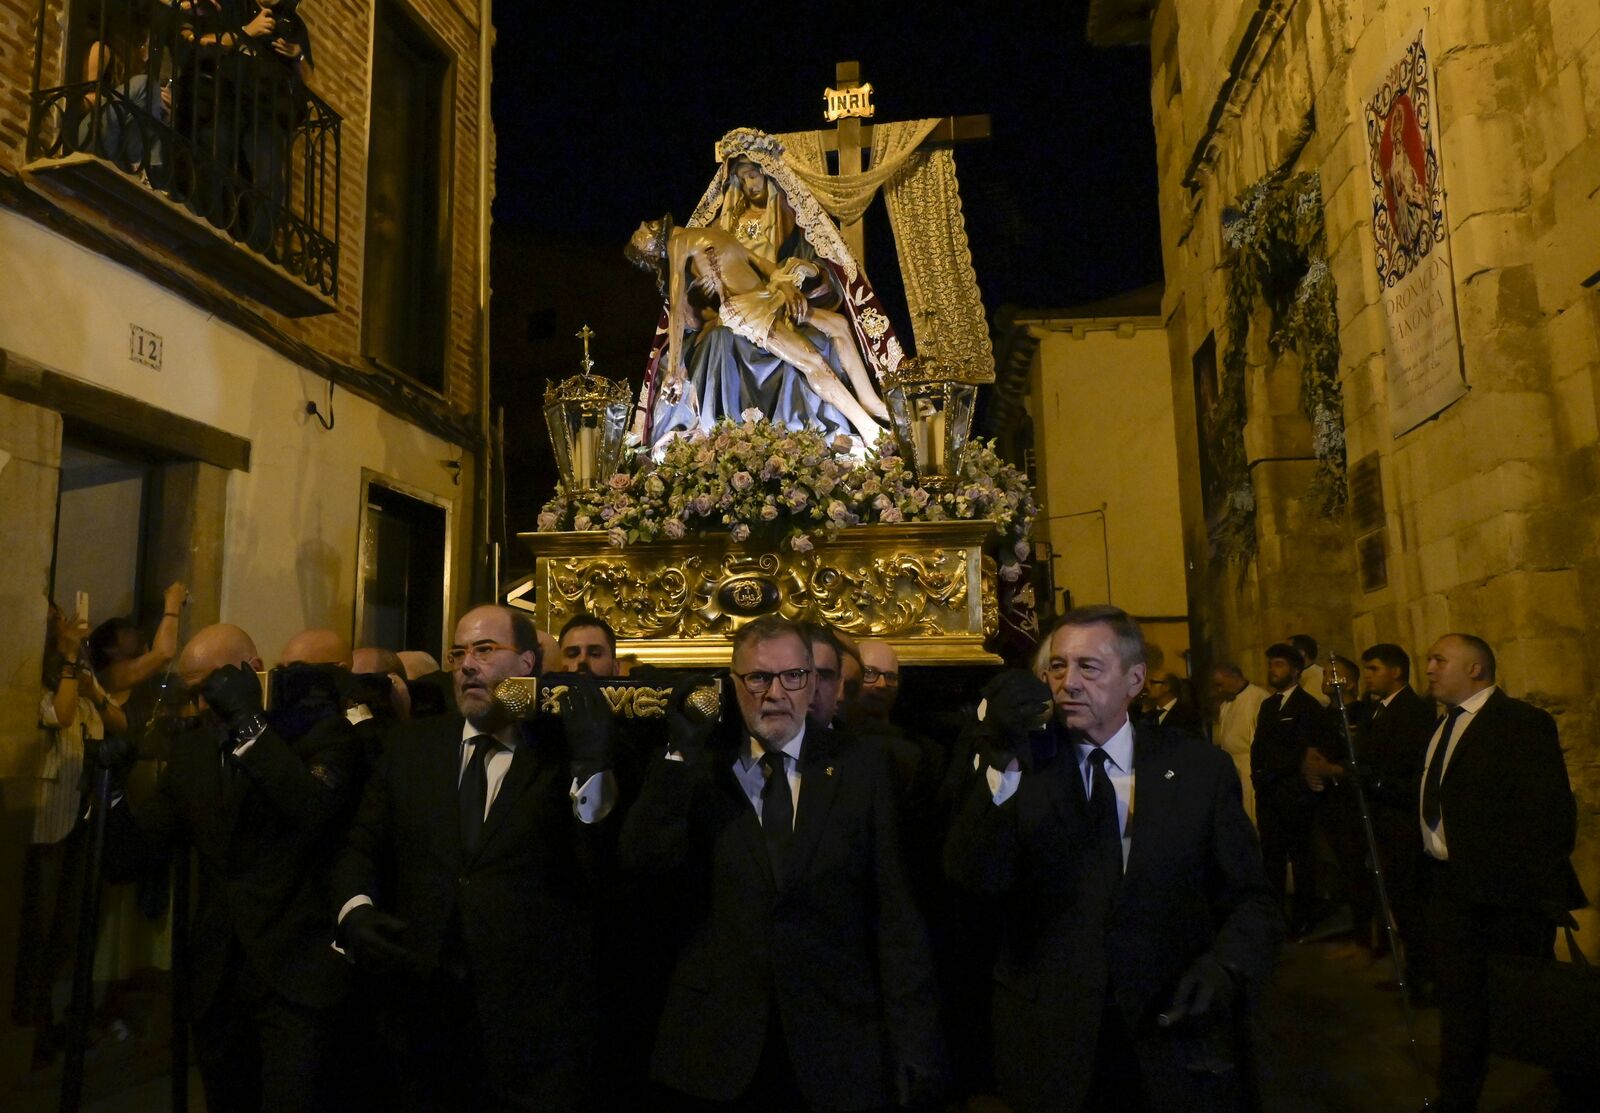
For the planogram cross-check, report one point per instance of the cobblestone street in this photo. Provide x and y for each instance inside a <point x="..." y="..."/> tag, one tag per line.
<point x="1334" y="1043"/>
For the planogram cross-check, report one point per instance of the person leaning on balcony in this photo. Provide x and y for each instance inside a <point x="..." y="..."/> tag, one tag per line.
<point x="123" y="122"/>
<point x="216" y="106"/>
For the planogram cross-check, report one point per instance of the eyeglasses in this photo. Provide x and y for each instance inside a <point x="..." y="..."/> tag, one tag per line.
<point x="757" y="683"/>
<point x="827" y="676"/>
<point x="479" y="652"/>
<point x="870" y="675"/>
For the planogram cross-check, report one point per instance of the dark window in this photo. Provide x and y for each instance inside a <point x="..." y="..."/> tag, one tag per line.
<point x="405" y="282"/>
<point x="402" y="572"/>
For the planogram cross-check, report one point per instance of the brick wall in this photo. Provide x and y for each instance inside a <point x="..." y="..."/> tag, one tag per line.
<point x="341" y="33"/>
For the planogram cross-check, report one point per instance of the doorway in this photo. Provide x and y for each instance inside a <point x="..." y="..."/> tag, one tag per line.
<point x="405" y="567"/>
<point x="101" y="509"/>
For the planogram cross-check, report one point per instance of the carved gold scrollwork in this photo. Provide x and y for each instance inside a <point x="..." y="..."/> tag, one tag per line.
<point x="991" y="596"/>
<point x="633" y="701"/>
<point x="925" y="586"/>
<point x="887" y="596"/>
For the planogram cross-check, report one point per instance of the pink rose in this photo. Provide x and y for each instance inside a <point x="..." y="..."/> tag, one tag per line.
<point x="616" y="537"/>
<point x="674" y="528"/>
<point x="891" y="514"/>
<point x="741" y="532"/>
<point x="742" y="480"/>
<point x="618" y="482"/>
<point x="801" y="543"/>
<point x="582" y="522"/>
<point x="548" y="520"/>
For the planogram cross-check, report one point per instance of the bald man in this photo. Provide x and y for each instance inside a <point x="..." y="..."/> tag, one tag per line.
<point x="372" y="661"/>
<point x="263" y="803"/>
<point x="417" y="663"/>
<point x="316" y="647"/>
<point x="880" y="680"/>
<point x="1498" y="823"/>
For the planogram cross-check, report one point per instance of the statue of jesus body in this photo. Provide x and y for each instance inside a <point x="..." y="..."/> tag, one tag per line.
<point x="759" y="301"/>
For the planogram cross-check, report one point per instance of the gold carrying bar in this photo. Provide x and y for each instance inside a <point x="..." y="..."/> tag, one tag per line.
<point x="527" y="697"/>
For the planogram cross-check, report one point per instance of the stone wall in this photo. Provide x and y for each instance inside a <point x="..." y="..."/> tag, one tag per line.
<point x="1492" y="510"/>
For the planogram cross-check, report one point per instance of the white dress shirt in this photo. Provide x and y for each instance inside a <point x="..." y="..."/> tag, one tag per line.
<point x="749" y="772"/>
<point x="1433" y="840"/>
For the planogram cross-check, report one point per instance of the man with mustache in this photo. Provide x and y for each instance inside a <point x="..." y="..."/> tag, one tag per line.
<point x="468" y="885"/>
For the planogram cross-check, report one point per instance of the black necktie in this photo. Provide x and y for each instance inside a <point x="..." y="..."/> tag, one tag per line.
<point x="1432" y="812"/>
<point x="1103" y="814"/>
<point x="777" y="809"/>
<point x="475" y="793"/>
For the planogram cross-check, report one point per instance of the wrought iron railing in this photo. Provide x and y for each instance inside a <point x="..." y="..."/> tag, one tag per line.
<point x="198" y="101"/>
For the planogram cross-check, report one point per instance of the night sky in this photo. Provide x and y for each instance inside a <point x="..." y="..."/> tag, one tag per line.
<point x="605" y="119"/>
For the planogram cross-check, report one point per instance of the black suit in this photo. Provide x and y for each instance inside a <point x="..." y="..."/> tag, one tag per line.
<point x="833" y="953"/>
<point x="1183" y="716"/>
<point x="1193" y="886"/>
<point x="499" y="1008"/>
<point x="265" y="976"/>
<point x="1510" y="823"/>
<point x="1285" y="807"/>
<point x="1391" y="750"/>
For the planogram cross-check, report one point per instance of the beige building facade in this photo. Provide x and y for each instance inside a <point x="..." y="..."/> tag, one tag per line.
<point x="1485" y="516"/>
<point x="1099" y="398"/>
<point x="191" y="405"/>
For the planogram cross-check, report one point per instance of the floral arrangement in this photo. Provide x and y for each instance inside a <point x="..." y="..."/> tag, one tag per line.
<point x="790" y="487"/>
<point x="1277" y="255"/>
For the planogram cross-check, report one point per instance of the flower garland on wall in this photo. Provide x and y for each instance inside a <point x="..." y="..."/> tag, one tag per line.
<point x="786" y="487"/>
<point x="1277" y="253"/>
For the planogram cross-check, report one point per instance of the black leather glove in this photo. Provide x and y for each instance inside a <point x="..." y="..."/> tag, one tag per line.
<point x="234" y="693"/>
<point x="586" y="722"/>
<point x="689" y="728"/>
<point x="1207" y="988"/>
<point x="1014" y="703"/>
<point x="373" y="939"/>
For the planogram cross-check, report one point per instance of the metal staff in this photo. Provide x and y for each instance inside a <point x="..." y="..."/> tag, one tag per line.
<point x="88" y="931"/>
<point x="1336" y="682"/>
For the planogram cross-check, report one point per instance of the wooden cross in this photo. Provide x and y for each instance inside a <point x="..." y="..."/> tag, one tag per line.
<point x="585" y="334"/>
<point x="852" y="137"/>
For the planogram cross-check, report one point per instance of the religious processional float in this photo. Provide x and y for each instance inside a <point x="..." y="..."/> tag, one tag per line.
<point x="784" y="455"/>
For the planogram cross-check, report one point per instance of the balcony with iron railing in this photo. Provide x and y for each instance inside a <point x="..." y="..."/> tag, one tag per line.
<point x="185" y="122"/>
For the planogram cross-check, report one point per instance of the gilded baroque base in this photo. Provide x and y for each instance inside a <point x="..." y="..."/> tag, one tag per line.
<point x="925" y="587"/>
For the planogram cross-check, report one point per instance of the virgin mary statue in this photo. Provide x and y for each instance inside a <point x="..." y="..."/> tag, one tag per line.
<point x="715" y="367"/>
